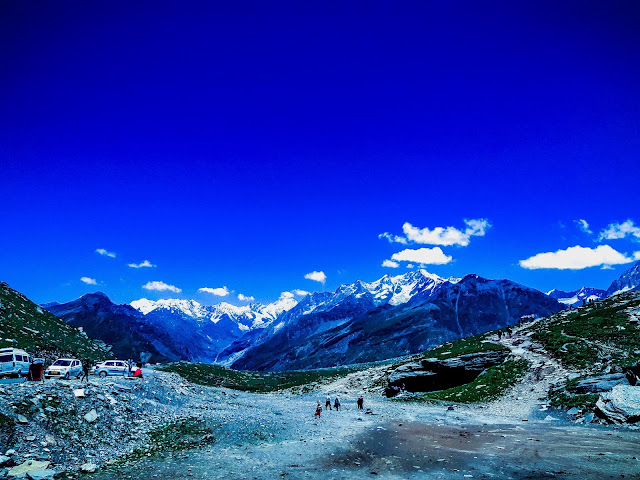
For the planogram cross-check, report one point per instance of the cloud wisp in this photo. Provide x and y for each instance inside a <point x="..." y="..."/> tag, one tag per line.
<point x="616" y="231"/>
<point x="422" y="256"/>
<point x="89" y="280"/>
<point x="302" y="293"/>
<point x="576" y="258"/>
<point x="246" y="298"/>
<point x="161" y="287"/>
<point x="316" y="276"/>
<point x="105" y="253"/>
<point x="445" y="236"/>
<point x="145" y="264"/>
<point x="390" y="264"/>
<point x="218" y="291"/>
<point x="583" y="225"/>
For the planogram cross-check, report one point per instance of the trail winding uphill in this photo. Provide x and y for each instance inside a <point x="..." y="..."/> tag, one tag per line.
<point x="528" y="397"/>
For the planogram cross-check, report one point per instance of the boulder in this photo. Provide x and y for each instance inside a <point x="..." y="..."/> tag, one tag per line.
<point x="620" y="405"/>
<point x="433" y="374"/>
<point x="601" y="383"/>
<point x="88" y="467"/>
<point x="22" y="419"/>
<point x="42" y="474"/>
<point x="92" y="416"/>
<point x="21" y="470"/>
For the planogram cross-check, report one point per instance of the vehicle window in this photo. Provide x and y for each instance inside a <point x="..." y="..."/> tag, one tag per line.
<point x="120" y="364"/>
<point x="109" y="364"/>
<point x="62" y="363"/>
<point x="18" y="358"/>
<point x="6" y="358"/>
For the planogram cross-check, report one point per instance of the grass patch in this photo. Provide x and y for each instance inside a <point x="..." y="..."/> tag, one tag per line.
<point x="488" y="386"/>
<point x="256" y="382"/>
<point x="594" y="336"/>
<point x="563" y="399"/>
<point x="462" y="346"/>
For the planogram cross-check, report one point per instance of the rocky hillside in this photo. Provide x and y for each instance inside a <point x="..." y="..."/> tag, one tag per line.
<point x="24" y="324"/>
<point x="357" y="331"/>
<point x="628" y="281"/>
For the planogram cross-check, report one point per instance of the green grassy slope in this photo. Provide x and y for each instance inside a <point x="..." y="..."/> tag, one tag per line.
<point x="23" y="324"/>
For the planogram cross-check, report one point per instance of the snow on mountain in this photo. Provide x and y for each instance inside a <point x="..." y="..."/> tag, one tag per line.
<point x="629" y="280"/>
<point x="577" y="297"/>
<point x="247" y="317"/>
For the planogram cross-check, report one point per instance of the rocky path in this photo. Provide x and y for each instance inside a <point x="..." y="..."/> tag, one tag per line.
<point x="527" y="399"/>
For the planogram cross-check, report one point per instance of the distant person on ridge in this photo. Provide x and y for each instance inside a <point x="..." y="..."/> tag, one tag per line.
<point x="318" y="410"/>
<point x="360" y="402"/>
<point x="327" y="404"/>
<point x="336" y="404"/>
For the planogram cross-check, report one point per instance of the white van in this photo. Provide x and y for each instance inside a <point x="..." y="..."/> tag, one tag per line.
<point x="14" y="362"/>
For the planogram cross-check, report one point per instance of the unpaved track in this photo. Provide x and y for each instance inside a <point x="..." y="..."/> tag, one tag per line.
<point x="275" y="436"/>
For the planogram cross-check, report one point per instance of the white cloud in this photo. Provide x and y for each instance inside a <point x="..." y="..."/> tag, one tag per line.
<point x="302" y="293"/>
<point x="409" y="265"/>
<point x="584" y="226"/>
<point x="390" y="264"/>
<point x="393" y="238"/>
<point x="286" y="295"/>
<point x="423" y="256"/>
<point x="160" y="287"/>
<point x="620" y="230"/>
<point x="89" y="281"/>
<point x="106" y="253"/>
<point x="245" y="298"/>
<point x="440" y="235"/>
<point x="636" y="255"/>
<point x="576" y="258"/>
<point x="144" y="264"/>
<point x="316" y="276"/>
<point x="219" y="291"/>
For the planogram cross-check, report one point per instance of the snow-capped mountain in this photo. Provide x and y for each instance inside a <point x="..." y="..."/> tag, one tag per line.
<point x="629" y="280"/>
<point x="353" y="325"/>
<point x="577" y="297"/>
<point x="247" y="317"/>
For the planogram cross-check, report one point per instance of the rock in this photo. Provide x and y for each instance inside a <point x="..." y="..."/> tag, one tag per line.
<point x="588" y="417"/>
<point x="602" y="383"/>
<point x="79" y="393"/>
<point x="573" y="412"/>
<point x="23" y="468"/>
<point x="22" y="419"/>
<point x="620" y="405"/>
<point x="10" y="452"/>
<point x="89" y="467"/>
<point x="4" y="459"/>
<point x="50" y="439"/>
<point x="434" y="374"/>
<point x="30" y="438"/>
<point x="92" y="416"/>
<point x="42" y="474"/>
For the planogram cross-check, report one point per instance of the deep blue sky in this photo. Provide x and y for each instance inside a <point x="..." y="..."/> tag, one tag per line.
<point x="246" y="144"/>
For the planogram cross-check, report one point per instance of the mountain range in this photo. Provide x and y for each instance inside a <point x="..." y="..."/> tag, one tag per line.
<point x="358" y="322"/>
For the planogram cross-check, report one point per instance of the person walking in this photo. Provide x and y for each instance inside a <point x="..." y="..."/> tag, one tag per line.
<point x="318" y="410"/>
<point x="85" y="370"/>
<point x="336" y="404"/>
<point x="327" y="404"/>
<point x="360" y="403"/>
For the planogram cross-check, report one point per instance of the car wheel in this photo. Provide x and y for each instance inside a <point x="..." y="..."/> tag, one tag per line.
<point x="103" y="374"/>
<point x="66" y="377"/>
<point x="19" y="373"/>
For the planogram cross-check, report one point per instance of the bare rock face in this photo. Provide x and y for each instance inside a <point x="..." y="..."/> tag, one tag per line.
<point x="620" y="405"/>
<point x="601" y="383"/>
<point x="432" y="374"/>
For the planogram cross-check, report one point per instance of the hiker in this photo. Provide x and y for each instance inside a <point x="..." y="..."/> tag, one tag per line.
<point x="85" y="370"/>
<point x="509" y="331"/>
<point x="318" y="410"/>
<point x="499" y="334"/>
<point x="360" y="402"/>
<point x="337" y="404"/>
<point x="327" y="404"/>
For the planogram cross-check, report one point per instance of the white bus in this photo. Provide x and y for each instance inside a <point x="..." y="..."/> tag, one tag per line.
<point x="14" y="362"/>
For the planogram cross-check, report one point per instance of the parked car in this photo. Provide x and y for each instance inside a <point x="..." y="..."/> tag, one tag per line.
<point x="111" y="367"/>
<point x="14" y="362"/>
<point x="64" y="368"/>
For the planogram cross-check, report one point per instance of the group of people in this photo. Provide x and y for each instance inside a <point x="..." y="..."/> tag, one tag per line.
<point x="336" y="404"/>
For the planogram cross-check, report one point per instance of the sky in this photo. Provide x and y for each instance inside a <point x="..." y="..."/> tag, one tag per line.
<point x="232" y="151"/>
